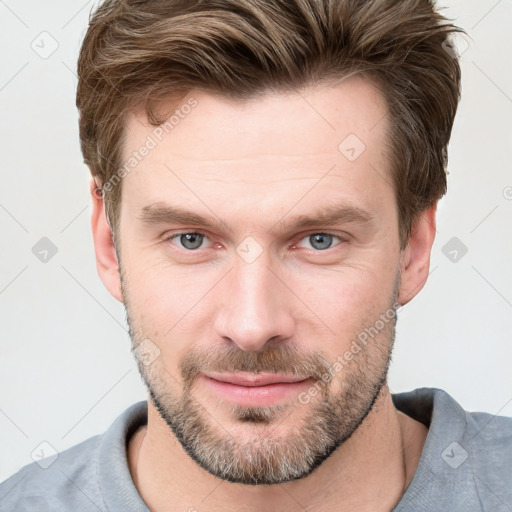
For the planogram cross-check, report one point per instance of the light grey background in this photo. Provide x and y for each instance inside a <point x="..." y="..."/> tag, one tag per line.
<point x="65" y="367"/>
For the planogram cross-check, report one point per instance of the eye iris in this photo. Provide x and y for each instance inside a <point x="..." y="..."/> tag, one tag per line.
<point x="321" y="241"/>
<point x="191" y="240"/>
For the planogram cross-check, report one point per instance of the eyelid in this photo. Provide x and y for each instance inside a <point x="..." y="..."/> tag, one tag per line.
<point x="343" y="237"/>
<point x="168" y="237"/>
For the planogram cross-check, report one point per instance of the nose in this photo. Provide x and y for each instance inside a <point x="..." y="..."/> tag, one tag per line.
<point x="254" y="306"/>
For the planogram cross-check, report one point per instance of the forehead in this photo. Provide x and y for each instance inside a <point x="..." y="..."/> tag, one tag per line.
<point x="256" y="146"/>
<point x="312" y="120"/>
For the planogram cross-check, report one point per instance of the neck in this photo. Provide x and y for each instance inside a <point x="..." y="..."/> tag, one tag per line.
<point x="370" y="471"/>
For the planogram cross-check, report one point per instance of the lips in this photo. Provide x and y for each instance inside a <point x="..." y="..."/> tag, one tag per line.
<point x="253" y="389"/>
<point x="253" y="380"/>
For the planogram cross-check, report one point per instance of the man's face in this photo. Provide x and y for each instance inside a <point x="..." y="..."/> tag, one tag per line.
<point x="257" y="288"/>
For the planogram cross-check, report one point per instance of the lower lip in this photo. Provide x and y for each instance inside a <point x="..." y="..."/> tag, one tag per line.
<point x="256" y="396"/>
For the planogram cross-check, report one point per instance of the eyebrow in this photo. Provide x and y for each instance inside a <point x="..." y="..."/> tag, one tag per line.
<point x="161" y="213"/>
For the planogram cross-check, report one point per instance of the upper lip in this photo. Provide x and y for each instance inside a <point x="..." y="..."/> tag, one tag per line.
<point x="252" y="379"/>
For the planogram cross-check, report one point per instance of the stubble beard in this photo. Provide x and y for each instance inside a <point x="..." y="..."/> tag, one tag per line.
<point x="264" y="457"/>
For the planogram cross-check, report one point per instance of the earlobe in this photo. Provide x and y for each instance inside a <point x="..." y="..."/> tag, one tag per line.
<point x="416" y="256"/>
<point x="106" y="257"/>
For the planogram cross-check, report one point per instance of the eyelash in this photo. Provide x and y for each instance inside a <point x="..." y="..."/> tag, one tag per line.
<point x="342" y="239"/>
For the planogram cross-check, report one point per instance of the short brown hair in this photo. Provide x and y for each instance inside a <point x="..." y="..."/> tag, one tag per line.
<point x="138" y="51"/>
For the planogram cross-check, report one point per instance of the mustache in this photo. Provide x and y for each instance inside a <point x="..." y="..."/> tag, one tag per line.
<point x="285" y="360"/>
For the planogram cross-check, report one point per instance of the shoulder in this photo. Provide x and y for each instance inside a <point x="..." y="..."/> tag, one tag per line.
<point x="487" y="448"/>
<point x="90" y="476"/>
<point x="467" y="456"/>
<point x="71" y="471"/>
<point x="487" y="436"/>
<point x="489" y="441"/>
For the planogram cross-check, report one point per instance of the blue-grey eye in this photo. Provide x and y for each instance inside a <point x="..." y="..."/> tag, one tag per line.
<point x="191" y="240"/>
<point x="321" y="241"/>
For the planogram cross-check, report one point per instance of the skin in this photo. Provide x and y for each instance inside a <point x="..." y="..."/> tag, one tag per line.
<point x="252" y="164"/>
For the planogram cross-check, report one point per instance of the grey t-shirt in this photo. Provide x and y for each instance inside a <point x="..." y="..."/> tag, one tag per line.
<point x="466" y="465"/>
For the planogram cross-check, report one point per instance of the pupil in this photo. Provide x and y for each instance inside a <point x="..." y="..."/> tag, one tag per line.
<point x="321" y="241"/>
<point x="191" y="240"/>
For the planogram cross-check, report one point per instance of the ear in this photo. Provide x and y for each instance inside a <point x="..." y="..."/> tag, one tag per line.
<point x="415" y="259"/>
<point x="106" y="257"/>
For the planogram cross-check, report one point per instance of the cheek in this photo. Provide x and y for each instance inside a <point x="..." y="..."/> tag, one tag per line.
<point x="168" y="302"/>
<point x="347" y="294"/>
<point x="341" y="308"/>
